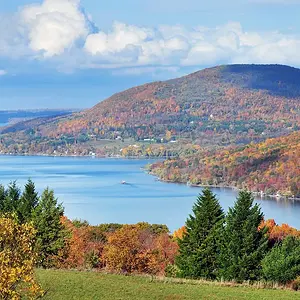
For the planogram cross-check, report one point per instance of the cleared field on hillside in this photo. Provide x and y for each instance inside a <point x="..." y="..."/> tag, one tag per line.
<point x="89" y="285"/>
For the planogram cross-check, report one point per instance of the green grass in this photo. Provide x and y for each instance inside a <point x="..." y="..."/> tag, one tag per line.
<point x="91" y="285"/>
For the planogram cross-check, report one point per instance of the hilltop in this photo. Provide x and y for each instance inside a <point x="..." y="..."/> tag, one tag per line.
<point x="220" y="106"/>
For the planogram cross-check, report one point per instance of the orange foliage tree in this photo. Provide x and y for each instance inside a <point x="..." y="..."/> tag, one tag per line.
<point x="277" y="233"/>
<point x="134" y="249"/>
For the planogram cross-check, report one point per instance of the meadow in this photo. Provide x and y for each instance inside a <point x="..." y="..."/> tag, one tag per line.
<point x="62" y="284"/>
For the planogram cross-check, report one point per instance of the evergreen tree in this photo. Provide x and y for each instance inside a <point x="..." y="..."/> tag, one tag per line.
<point x="11" y="199"/>
<point x="282" y="263"/>
<point x="28" y="202"/>
<point x="2" y="198"/>
<point x="199" y="247"/>
<point x="244" y="246"/>
<point x="50" y="231"/>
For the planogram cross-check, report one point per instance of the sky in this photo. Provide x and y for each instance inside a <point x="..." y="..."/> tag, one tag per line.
<point x="73" y="54"/>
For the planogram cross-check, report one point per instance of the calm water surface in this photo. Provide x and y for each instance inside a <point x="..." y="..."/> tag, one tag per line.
<point x="91" y="189"/>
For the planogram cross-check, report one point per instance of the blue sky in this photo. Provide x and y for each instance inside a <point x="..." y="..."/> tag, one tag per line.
<point x="72" y="53"/>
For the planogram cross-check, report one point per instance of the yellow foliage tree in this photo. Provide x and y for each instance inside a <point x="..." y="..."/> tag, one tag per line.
<point x="17" y="261"/>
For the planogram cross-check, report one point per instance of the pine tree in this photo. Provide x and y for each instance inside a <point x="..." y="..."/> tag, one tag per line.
<point x="244" y="246"/>
<point x="199" y="246"/>
<point x="12" y="199"/>
<point x="282" y="263"/>
<point x="28" y="202"/>
<point x="50" y="231"/>
<point x="2" y="198"/>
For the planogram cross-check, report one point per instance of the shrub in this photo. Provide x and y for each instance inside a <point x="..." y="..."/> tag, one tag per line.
<point x="134" y="249"/>
<point x="17" y="261"/>
<point x="282" y="263"/>
<point x="296" y="284"/>
<point x="172" y="271"/>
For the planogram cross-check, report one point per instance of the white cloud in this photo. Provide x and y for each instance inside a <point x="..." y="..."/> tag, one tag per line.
<point x="3" y="72"/>
<point x="61" y="32"/>
<point x="55" y="25"/>
<point x="155" y="70"/>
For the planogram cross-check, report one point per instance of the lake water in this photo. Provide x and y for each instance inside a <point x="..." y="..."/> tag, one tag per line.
<point x="91" y="189"/>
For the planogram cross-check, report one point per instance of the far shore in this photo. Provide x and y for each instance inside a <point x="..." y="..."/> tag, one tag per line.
<point x="277" y="197"/>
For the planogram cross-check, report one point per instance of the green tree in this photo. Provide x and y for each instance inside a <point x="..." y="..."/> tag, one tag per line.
<point x="243" y="246"/>
<point x="282" y="263"/>
<point x="28" y="202"/>
<point x="2" y="198"/>
<point x="11" y="200"/>
<point x="199" y="246"/>
<point x="50" y="231"/>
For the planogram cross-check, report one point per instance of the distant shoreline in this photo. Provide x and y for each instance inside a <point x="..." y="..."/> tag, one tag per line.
<point x="281" y="197"/>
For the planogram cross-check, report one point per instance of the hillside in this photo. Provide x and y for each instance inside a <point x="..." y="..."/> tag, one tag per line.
<point x="271" y="166"/>
<point x="219" y="106"/>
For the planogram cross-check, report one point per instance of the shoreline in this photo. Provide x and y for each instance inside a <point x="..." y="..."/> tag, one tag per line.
<point x="271" y="196"/>
<point x="276" y="197"/>
<point x="83" y="156"/>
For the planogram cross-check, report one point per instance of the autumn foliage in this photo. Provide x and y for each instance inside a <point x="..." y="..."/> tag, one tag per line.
<point x="219" y="106"/>
<point x="278" y="233"/>
<point x="270" y="167"/>
<point x="140" y="248"/>
<point x="17" y="259"/>
<point x="132" y="249"/>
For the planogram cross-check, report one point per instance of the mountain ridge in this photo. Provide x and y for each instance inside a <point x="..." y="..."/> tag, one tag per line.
<point x="219" y="106"/>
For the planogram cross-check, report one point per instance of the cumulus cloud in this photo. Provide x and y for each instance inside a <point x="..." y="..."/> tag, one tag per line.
<point x="167" y="45"/>
<point x="61" y="32"/>
<point x="3" y="72"/>
<point x="55" y="25"/>
<point x="155" y="70"/>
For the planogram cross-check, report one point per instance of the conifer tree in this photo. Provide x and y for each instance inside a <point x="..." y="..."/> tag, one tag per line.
<point x="2" y="198"/>
<point x="244" y="245"/>
<point x="28" y="202"/>
<point x="11" y="198"/>
<point x="199" y="246"/>
<point x="282" y="263"/>
<point x="50" y="231"/>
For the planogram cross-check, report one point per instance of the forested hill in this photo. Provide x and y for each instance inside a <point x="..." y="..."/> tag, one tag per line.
<point x="221" y="106"/>
<point x="272" y="167"/>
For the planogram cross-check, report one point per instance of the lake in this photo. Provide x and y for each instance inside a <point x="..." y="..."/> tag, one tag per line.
<point x="91" y="189"/>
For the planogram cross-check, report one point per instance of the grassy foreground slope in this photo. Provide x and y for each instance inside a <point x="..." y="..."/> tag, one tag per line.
<point x="89" y="285"/>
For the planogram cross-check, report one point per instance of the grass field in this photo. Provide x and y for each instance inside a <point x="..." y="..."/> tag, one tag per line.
<point x="90" y="285"/>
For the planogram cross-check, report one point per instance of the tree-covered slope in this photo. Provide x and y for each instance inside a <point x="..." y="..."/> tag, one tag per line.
<point x="233" y="104"/>
<point x="271" y="166"/>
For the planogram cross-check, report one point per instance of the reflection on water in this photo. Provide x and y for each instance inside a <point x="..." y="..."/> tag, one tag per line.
<point x="91" y="189"/>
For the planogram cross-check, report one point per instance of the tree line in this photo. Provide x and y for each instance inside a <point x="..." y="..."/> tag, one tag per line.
<point x="238" y="246"/>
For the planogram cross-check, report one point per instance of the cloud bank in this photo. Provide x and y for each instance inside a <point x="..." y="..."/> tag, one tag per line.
<point x="60" y="31"/>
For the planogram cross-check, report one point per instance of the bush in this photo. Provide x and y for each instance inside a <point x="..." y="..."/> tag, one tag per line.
<point x="17" y="261"/>
<point x="296" y="284"/>
<point x="91" y="259"/>
<point x="172" y="271"/>
<point x="282" y="263"/>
